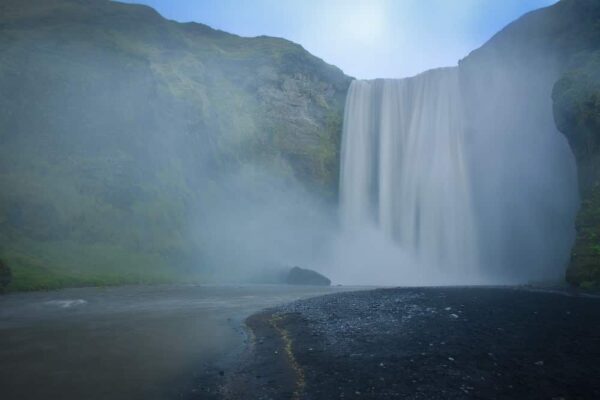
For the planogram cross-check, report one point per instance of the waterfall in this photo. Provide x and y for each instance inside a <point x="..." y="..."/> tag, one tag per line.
<point x="455" y="176"/>
<point x="405" y="175"/>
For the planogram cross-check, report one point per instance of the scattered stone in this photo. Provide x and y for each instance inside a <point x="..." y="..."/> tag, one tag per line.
<point x="370" y="326"/>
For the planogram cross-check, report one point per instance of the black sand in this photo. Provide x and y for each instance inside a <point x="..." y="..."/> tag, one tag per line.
<point x="431" y="343"/>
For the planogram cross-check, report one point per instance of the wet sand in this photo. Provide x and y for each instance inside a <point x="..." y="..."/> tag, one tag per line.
<point x="127" y="342"/>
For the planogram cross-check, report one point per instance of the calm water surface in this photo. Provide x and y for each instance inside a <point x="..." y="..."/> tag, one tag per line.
<point x="126" y="342"/>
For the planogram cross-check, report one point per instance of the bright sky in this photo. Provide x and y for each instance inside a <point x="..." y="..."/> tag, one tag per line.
<point x="365" y="38"/>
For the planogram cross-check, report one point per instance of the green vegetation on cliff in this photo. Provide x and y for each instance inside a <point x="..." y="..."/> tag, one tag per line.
<point x="577" y="113"/>
<point x="576" y="104"/>
<point x="116" y="125"/>
<point x="584" y="269"/>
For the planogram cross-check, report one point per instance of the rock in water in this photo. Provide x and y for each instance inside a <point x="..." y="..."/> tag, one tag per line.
<point x="301" y="276"/>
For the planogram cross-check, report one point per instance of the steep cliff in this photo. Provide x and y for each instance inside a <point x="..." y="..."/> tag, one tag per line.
<point x="577" y="111"/>
<point x="116" y="125"/>
<point x="537" y="75"/>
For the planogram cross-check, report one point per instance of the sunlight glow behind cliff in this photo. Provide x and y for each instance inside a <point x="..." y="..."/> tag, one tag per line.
<point x="365" y="38"/>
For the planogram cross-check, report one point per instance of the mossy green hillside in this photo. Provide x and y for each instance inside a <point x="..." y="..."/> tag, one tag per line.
<point x="117" y="126"/>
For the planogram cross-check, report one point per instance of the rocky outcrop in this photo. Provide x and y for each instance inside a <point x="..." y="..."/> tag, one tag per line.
<point x="577" y="113"/>
<point x="584" y="267"/>
<point x="5" y="276"/>
<point x="301" y="276"/>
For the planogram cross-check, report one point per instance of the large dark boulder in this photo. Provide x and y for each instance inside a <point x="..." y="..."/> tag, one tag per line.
<point x="5" y="276"/>
<point x="301" y="276"/>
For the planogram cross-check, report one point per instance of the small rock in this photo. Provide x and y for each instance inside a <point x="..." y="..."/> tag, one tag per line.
<point x="301" y="276"/>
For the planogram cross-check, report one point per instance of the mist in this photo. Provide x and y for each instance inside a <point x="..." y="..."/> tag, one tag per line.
<point x="456" y="176"/>
<point x="524" y="172"/>
<point x="258" y="224"/>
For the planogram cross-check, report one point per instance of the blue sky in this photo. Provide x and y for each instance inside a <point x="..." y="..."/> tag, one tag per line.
<point x="365" y="38"/>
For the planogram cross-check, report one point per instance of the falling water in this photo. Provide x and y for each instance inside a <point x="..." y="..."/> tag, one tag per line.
<point x="455" y="176"/>
<point x="405" y="173"/>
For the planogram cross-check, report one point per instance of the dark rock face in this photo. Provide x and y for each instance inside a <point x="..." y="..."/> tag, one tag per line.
<point x="5" y="276"/>
<point x="576" y="104"/>
<point x="576" y="98"/>
<point x="301" y="276"/>
<point x="584" y="268"/>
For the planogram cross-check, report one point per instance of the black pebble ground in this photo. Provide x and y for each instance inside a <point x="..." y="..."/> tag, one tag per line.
<point x="426" y="343"/>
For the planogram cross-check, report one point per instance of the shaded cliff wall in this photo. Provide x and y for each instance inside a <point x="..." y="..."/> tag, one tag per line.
<point x="515" y="85"/>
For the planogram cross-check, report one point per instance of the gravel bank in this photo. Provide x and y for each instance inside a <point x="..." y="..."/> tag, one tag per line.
<point x="425" y="343"/>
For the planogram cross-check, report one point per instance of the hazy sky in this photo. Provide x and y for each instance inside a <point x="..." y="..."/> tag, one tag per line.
<point x="365" y="38"/>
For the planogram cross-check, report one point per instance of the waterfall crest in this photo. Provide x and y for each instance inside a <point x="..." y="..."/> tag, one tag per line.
<point x="405" y="174"/>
